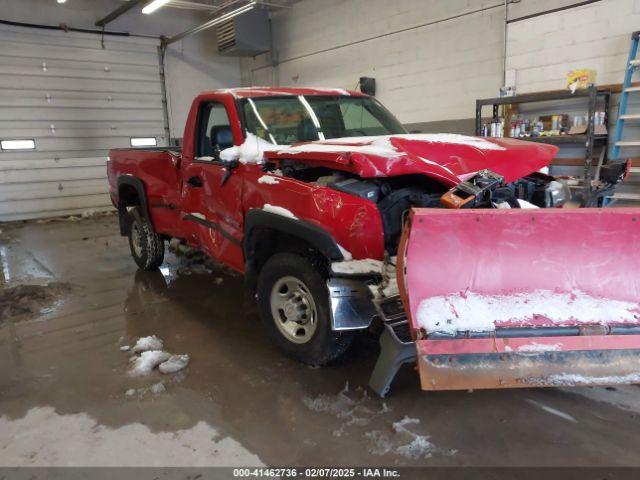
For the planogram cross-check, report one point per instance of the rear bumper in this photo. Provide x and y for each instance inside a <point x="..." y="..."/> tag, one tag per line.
<point x="464" y="364"/>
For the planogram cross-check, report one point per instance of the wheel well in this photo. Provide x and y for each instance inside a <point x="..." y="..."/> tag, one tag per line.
<point x="264" y="242"/>
<point x="128" y="196"/>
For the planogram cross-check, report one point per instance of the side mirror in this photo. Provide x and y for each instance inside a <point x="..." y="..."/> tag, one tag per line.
<point x="229" y="167"/>
<point x="368" y="86"/>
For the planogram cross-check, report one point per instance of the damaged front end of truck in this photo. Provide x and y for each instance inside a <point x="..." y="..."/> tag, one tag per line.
<point x="485" y="283"/>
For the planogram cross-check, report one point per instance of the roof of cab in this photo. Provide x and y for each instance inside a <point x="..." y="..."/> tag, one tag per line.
<point x="252" y="92"/>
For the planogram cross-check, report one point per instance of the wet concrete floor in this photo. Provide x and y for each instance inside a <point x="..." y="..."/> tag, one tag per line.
<point x="63" y="380"/>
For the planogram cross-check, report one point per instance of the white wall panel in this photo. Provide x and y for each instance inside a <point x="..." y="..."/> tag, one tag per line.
<point x="76" y="99"/>
<point x="543" y="49"/>
<point x="431" y="58"/>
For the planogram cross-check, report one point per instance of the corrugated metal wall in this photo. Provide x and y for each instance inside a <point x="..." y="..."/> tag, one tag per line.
<point x="76" y="99"/>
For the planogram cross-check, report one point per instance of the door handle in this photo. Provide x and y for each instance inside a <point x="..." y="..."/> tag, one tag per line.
<point x="195" y="181"/>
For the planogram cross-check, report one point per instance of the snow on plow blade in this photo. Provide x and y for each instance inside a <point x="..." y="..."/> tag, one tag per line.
<point x="523" y="298"/>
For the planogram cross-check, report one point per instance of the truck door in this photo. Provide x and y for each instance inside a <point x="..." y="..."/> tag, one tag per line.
<point x="212" y="192"/>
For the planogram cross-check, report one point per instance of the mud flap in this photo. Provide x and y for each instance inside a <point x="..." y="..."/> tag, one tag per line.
<point x="500" y="254"/>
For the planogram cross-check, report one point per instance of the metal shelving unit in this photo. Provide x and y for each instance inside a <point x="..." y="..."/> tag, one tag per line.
<point x="590" y="95"/>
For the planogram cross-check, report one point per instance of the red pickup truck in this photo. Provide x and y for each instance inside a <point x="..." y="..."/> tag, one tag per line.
<point x="304" y="191"/>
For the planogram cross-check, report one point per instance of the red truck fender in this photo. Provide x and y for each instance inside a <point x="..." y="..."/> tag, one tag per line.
<point x="350" y="298"/>
<point x="315" y="236"/>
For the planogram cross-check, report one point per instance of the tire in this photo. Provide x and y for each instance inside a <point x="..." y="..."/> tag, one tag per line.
<point x="147" y="248"/>
<point x="293" y="303"/>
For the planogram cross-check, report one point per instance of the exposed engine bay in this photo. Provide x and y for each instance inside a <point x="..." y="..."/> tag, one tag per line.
<point x="395" y="196"/>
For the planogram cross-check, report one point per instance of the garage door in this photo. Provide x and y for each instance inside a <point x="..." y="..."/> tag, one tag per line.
<point x="65" y="99"/>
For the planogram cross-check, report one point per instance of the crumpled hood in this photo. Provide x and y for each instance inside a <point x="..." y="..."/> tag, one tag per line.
<point x="448" y="157"/>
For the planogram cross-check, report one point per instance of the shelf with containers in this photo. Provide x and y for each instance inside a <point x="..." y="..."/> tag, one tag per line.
<point x="575" y="122"/>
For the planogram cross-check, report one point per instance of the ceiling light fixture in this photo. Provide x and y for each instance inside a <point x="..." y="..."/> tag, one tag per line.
<point x="153" y="6"/>
<point x="212" y="23"/>
<point x="62" y="1"/>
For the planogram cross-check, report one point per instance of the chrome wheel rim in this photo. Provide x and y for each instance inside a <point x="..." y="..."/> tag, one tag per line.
<point x="293" y="310"/>
<point x="136" y="239"/>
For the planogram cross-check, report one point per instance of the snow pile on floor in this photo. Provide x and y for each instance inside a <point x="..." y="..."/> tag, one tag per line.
<point x="147" y="361"/>
<point x="148" y="343"/>
<point x="352" y="407"/>
<point x="154" y="389"/>
<point x="419" y="446"/>
<point x="158" y="388"/>
<point x="251" y="151"/>
<point x="474" y="312"/>
<point x="174" y="364"/>
<point x="151" y="356"/>
<point x="404" y="441"/>
<point x="278" y="211"/>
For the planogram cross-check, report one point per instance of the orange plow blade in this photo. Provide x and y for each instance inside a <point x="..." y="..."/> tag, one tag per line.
<point x="523" y="298"/>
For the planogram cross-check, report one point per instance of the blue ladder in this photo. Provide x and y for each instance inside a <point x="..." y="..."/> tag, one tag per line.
<point x="623" y="116"/>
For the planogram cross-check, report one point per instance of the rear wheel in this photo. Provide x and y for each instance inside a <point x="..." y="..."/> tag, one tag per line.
<point x="294" y="307"/>
<point x="147" y="247"/>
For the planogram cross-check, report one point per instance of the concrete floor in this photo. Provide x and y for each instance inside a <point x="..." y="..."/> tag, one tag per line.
<point x="63" y="380"/>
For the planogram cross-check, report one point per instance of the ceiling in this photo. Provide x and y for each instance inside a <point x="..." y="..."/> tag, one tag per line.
<point x="216" y="5"/>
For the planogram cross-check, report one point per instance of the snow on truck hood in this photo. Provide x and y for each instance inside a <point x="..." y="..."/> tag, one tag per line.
<point x="449" y="157"/>
<point x="452" y="158"/>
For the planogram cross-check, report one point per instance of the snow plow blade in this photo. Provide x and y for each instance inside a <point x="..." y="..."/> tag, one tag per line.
<point x="522" y="298"/>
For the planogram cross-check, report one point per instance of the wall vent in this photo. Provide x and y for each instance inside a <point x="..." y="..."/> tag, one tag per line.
<point x="246" y="35"/>
<point x="226" y="35"/>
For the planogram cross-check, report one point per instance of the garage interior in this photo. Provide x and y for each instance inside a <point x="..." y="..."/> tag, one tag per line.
<point x="81" y="77"/>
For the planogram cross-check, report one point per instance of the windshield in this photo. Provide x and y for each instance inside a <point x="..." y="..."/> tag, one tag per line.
<point x="287" y="120"/>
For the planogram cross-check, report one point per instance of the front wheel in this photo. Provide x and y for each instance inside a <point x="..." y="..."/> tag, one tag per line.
<point x="293" y="302"/>
<point x="147" y="247"/>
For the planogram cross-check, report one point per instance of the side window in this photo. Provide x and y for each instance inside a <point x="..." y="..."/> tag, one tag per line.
<point x="279" y="120"/>
<point x="214" y="130"/>
<point x="358" y="120"/>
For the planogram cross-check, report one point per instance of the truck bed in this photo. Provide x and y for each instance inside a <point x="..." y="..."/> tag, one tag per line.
<point x="172" y="150"/>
